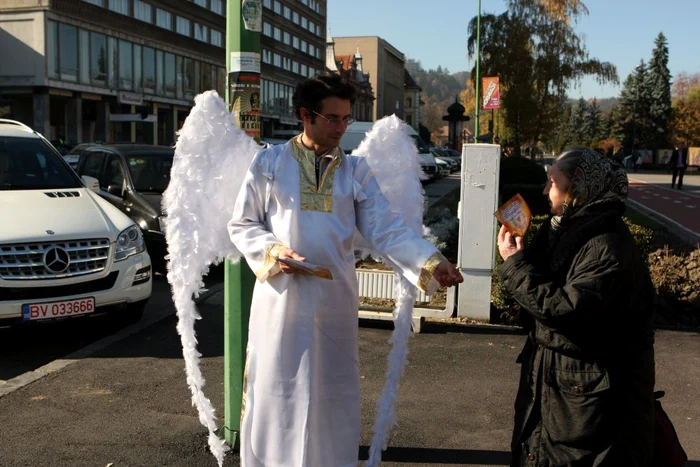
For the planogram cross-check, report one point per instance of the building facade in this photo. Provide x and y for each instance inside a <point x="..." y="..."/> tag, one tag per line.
<point x="293" y="49"/>
<point x="413" y="104"/>
<point x="128" y="70"/>
<point x="350" y="68"/>
<point x="385" y="66"/>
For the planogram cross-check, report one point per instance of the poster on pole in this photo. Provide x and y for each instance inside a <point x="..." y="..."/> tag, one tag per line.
<point x="251" y="11"/>
<point x="491" y="93"/>
<point x="244" y="95"/>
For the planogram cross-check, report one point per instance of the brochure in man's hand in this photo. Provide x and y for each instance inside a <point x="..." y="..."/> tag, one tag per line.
<point x="515" y="215"/>
<point x="312" y="269"/>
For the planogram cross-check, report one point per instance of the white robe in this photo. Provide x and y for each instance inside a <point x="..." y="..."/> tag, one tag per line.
<point x="302" y="393"/>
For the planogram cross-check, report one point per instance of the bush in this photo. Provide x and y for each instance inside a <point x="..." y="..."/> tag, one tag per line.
<point x="676" y="278"/>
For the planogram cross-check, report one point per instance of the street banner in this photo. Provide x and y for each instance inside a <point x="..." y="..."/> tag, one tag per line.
<point x="663" y="155"/>
<point x="491" y="93"/>
<point x="693" y="156"/>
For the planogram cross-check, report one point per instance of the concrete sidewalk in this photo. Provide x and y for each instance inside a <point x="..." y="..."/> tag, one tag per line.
<point x="128" y="404"/>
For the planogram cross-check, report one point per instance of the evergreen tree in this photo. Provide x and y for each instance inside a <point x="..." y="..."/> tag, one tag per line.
<point x="659" y="85"/>
<point x="642" y="120"/>
<point x="578" y="119"/>
<point x="592" y="124"/>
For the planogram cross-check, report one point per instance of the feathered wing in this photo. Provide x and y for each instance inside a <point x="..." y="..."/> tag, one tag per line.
<point x="392" y="155"/>
<point x="212" y="155"/>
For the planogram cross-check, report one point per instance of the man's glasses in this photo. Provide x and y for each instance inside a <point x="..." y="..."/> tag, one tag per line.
<point x="335" y="121"/>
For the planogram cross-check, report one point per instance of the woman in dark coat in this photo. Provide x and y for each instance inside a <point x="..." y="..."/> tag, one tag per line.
<point x="587" y="379"/>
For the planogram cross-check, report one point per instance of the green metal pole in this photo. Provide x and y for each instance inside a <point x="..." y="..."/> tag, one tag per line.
<point x="478" y="75"/>
<point x="243" y="25"/>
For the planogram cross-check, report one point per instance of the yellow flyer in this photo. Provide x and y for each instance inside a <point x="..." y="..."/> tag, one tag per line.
<point x="515" y="215"/>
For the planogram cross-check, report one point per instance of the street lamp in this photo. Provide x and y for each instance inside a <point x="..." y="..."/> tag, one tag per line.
<point x="477" y="100"/>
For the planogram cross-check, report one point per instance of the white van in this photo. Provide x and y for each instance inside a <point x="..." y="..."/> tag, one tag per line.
<point x="357" y="131"/>
<point x="64" y="251"/>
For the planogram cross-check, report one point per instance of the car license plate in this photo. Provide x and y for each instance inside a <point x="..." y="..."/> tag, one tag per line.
<point x="62" y="309"/>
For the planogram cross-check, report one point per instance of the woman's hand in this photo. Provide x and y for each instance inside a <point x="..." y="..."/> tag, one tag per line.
<point x="447" y="274"/>
<point x="508" y="244"/>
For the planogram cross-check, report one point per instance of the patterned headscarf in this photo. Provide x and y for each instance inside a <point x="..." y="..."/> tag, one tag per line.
<point x="597" y="180"/>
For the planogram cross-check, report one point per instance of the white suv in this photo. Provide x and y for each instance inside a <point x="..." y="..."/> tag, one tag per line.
<point x="64" y="251"/>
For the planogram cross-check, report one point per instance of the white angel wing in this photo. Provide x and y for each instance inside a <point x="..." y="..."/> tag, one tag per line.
<point x="392" y="155"/>
<point x="212" y="155"/>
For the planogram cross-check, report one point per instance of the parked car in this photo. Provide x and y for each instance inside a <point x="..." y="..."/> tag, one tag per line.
<point x="450" y="165"/>
<point x="64" y="251"/>
<point x="133" y="178"/>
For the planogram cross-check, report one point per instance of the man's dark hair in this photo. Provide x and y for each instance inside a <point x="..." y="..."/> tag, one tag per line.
<point x="310" y="93"/>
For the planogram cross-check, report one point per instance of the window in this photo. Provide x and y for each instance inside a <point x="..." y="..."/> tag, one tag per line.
<point x="189" y="78"/>
<point x="98" y="59"/>
<point x="200" y="32"/>
<point x="112" y="54"/>
<point x="287" y="12"/>
<point x="304" y="22"/>
<point x="266" y="56"/>
<point x="169" y="75"/>
<point x="304" y="69"/>
<point x="119" y="6"/>
<point x="205" y="80"/>
<point x="216" y="38"/>
<point x="160" y="73"/>
<point x="267" y="29"/>
<point x="202" y="3"/>
<point x="304" y="46"/>
<point x="179" y="75"/>
<point x="93" y="165"/>
<point x="267" y="3"/>
<point x="295" y="42"/>
<point x="137" y="67"/>
<point x="143" y="11"/>
<point x="68" y="58"/>
<point x="277" y="7"/>
<point x="126" y="67"/>
<point x="149" y="70"/>
<point x="295" y="67"/>
<point x="96" y="2"/>
<point x="276" y="33"/>
<point x="312" y="50"/>
<point x="84" y="56"/>
<point x="217" y="7"/>
<point x="287" y="38"/>
<point x="276" y="60"/>
<point x="312" y="27"/>
<point x="183" y="26"/>
<point x="52" y="48"/>
<point x="295" y="17"/>
<point x="164" y="19"/>
<point x="287" y="63"/>
<point x="113" y="175"/>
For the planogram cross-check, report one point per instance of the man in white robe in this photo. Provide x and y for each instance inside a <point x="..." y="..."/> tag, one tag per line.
<point x="303" y="200"/>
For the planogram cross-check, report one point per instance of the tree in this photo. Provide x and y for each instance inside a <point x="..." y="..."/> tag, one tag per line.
<point x="592" y="124"/>
<point x="686" y="120"/>
<point x="576" y="123"/>
<point x="537" y="54"/>
<point x="659" y="88"/>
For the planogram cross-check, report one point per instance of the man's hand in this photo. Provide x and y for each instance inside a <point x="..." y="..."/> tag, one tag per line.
<point x="447" y="275"/>
<point x="287" y="269"/>
<point x="508" y="245"/>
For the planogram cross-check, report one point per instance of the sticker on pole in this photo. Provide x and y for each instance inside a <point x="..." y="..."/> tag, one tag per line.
<point x="251" y="10"/>
<point x="244" y="94"/>
<point x="515" y="215"/>
<point x="246" y="62"/>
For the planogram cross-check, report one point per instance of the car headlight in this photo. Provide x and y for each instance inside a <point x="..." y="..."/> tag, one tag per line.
<point x="161" y="223"/>
<point x="129" y="242"/>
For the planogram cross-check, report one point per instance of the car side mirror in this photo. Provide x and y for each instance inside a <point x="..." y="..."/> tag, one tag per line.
<point x="91" y="183"/>
<point x="115" y="190"/>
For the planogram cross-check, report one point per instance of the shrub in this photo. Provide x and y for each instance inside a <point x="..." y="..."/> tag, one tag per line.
<point x="676" y="278"/>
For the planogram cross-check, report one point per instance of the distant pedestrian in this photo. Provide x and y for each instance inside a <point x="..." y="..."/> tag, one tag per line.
<point x="678" y="163"/>
<point x="587" y="377"/>
<point x="638" y="162"/>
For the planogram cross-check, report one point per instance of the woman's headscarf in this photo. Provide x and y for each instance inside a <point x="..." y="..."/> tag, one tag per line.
<point x="596" y="181"/>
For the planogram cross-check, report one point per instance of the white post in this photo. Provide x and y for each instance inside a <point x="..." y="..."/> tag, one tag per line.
<point x="477" y="228"/>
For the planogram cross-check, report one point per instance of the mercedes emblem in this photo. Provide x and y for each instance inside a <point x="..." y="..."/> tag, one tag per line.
<point x="56" y="260"/>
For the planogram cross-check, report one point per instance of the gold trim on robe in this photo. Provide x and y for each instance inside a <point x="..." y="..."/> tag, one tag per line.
<point x="270" y="267"/>
<point x="313" y="196"/>
<point x="426" y="282"/>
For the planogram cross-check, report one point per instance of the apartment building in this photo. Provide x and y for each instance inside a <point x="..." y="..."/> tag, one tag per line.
<point x="385" y="66"/>
<point x="128" y="70"/>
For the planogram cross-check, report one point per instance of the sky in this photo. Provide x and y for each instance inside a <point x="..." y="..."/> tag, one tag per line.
<point x="434" y="32"/>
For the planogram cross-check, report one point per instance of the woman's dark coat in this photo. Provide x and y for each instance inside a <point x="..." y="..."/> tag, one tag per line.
<point x="587" y="379"/>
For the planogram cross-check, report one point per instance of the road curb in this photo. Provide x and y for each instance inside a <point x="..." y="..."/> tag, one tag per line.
<point x="24" y="379"/>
